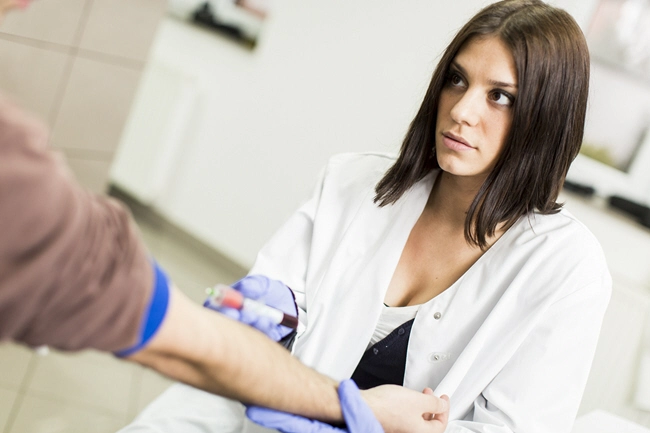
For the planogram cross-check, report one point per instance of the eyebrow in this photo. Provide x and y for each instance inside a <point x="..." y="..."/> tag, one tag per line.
<point x="491" y="82"/>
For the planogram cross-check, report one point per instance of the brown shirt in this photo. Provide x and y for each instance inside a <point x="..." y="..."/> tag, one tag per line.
<point x="73" y="271"/>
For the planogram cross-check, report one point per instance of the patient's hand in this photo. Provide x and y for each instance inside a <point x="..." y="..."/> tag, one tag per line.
<point x="401" y="410"/>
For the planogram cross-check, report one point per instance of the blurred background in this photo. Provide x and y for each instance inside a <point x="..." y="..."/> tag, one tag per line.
<point x="213" y="119"/>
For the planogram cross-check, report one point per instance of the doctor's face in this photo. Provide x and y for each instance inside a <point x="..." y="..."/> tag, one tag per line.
<point x="475" y="108"/>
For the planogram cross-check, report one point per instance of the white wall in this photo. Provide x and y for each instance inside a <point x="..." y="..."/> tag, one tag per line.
<point x="327" y="77"/>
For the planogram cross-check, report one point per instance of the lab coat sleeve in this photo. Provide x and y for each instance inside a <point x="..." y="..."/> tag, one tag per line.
<point x="540" y="388"/>
<point x="285" y="256"/>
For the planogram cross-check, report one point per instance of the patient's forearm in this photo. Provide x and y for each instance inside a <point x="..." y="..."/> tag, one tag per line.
<point x="210" y="351"/>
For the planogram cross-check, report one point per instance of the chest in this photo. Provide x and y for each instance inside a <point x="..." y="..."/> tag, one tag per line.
<point x="433" y="259"/>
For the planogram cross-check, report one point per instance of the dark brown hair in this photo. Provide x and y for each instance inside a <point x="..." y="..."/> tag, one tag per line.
<point x="552" y="61"/>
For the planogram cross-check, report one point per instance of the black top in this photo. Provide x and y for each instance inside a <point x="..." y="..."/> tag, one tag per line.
<point x="384" y="362"/>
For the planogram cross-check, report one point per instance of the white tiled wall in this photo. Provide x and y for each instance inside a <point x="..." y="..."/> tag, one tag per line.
<point x="32" y="74"/>
<point x="51" y="21"/>
<point x="121" y="28"/>
<point x="77" y="65"/>
<point x="95" y="105"/>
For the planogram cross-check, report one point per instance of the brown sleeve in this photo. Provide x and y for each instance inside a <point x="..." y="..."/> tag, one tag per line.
<point x="73" y="271"/>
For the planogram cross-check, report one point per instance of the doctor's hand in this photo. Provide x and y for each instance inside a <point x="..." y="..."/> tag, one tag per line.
<point x="357" y="415"/>
<point x="273" y="293"/>
<point x="399" y="409"/>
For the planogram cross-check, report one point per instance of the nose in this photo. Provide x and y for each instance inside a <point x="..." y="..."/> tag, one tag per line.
<point x="466" y="110"/>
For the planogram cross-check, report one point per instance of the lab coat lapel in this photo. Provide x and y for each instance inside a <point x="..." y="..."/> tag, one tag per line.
<point x="357" y="280"/>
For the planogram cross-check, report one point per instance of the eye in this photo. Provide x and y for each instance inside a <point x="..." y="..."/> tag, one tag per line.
<point x="454" y="79"/>
<point x="500" y="97"/>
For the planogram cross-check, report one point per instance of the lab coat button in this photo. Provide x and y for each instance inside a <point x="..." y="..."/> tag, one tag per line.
<point x="437" y="315"/>
<point x="439" y="356"/>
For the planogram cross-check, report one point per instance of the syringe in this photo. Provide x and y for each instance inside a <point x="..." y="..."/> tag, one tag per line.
<point x="225" y="296"/>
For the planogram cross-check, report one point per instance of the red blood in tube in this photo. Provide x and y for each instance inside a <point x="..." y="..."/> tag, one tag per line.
<point x="233" y="299"/>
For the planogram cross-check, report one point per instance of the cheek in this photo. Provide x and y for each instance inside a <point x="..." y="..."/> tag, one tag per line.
<point x="500" y="133"/>
<point x="445" y="103"/>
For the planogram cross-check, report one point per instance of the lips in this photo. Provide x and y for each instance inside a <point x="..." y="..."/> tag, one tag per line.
<point x="455" y="142"/>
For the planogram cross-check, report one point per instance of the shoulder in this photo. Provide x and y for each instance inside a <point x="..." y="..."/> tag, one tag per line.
<point x="347" y="169"/>
<point x="562" y="227"/>
<point x="348" y="182"/>
<point x="568" y="249"/>
<point x="364" y="161"/>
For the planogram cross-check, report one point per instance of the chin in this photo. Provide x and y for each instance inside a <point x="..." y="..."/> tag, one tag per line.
<point x="450" y="163"/>
<point x="455" y="167"/>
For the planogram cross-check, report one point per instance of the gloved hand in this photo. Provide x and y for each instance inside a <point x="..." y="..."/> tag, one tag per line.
<point x="273" y="293"/>
<point x="357" y="415"/>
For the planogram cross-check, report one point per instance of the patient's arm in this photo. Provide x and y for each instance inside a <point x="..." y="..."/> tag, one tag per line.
<point x="209" y="351"/>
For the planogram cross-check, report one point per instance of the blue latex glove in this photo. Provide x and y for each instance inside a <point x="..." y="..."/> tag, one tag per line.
<point x="358" y="416"/>
<point x="273" y="293"/>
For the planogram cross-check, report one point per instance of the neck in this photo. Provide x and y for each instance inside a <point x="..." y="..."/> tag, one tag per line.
<point x="449" y="202"/>
<point x="451" y="197"/>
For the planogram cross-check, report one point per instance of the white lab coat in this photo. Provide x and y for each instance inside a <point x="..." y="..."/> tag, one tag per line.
<point x="511" y="342"/>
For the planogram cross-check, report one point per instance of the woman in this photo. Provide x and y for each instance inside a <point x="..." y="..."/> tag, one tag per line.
<point x="453" y="266"/>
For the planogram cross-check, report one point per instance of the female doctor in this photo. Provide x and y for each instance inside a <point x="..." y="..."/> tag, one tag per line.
<point x="452" y="266"/>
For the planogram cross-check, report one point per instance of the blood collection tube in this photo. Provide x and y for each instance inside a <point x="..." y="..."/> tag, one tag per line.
<point x="225" y="296"/>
